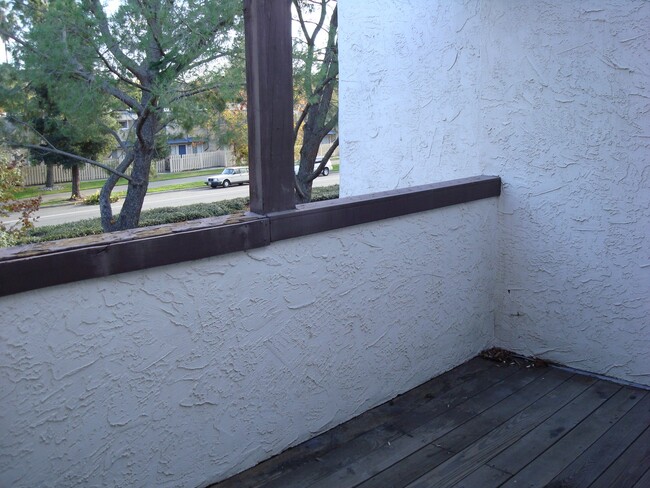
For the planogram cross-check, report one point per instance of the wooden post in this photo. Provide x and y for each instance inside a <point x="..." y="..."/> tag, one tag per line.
<point x="270" y="104"/>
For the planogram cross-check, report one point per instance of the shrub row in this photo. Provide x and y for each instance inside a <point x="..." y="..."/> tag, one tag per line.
<point x="157" y="216"/>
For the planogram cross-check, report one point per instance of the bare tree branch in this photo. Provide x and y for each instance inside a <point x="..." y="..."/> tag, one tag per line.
<point x="299" y="122"/>
<point x="105" y="193"/>
<point x="298" y="187"/>
<point x="204" y="61"/>
<point x="109" y="89"/>
<point x="115" y="134"/>
<point x="49" y="147"/>
<point x="325" y="159"/>
<point x="52" y="149"/>
<point x="301" y="21"/>
<point x="197" y="91"/>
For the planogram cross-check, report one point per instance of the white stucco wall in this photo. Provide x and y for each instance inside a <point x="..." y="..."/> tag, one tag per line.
<point x="181" y="375"/>
<point x="407" y="71"/>
<point x="554" y="97"/>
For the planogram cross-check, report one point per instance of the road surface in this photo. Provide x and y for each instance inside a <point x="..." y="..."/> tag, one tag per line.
<point x="61" y="214"/>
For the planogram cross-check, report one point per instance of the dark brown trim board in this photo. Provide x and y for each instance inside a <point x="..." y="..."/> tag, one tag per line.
<point x="34" y="266"/>
<point x="270" y="104"/>
<point x="335" y="214"/>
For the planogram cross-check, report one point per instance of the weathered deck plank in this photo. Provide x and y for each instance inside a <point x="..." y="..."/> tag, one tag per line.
<point x="629" y="467"/>
<point x="347" y="442"/>
<point x="644" y="481"/>
<point x="500" y="438"/>
<point x="479" y="425"/>
<point x="590" y="464"/>
<point x="555" y="459"/>
<point x="391" y="431"/>
<point x="533" y="444"/>
<point x="482" y="477"/>
<point x="468" y="430"/>
<point x="414" y="439"/>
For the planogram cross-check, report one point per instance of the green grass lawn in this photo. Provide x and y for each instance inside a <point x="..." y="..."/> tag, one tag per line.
<point x="122" y="194"/>
<point x="35" y="191"/>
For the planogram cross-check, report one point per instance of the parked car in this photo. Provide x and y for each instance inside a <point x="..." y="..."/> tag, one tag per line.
<point x="325" y="171"/>
<point x="229" y="176"/>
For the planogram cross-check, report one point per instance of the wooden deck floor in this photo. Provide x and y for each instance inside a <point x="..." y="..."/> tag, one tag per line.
<point x="480" y="425"/>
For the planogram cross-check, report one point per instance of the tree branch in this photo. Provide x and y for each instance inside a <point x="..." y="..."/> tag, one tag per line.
<point x="50" y="148"/>
<point x="301" y="20"/>
<point x="69" y="155"/>
<point x="154" y="25"/>
<point x="81" y="73"/>
<point x="114" y="70"/>
<point x="10" y="35"/>
<point x="191" y="93"/>
<point x="115" y="135"/>
<point x="325" y="159"/>
<point x="105" y="208"/>
<point x="203" y="61"/>
<point x="185" y="62"/>
<point x="98" y="11"/>
<point x="108" y="89"/>
<point x="299" y="122"/>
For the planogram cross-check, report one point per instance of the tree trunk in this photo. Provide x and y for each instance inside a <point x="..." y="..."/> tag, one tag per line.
<point x="49" y="176"/>
<point x="141" y="158"/>
<point x="315" y="130"/>
<point x="130" y="214"/>
<point x="105" y="209"/>
<point x="308" y="154"/>
<point x="76" y="184"/>
<point x="316" y="122"/>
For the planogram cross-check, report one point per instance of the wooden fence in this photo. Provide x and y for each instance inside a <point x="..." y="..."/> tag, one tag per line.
<point x="198" y="161"/>
<point x="35" y="175"/>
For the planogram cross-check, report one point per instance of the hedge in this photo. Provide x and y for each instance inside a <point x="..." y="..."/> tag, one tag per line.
<point x="157" y="216"/>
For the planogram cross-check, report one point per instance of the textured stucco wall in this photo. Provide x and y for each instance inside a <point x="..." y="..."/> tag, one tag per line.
<point x="553" y="97"/>
<point x="407" y="70"/>
<point x="180" y="375"/>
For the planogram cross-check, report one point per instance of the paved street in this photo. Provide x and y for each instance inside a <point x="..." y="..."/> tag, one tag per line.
<point x="72" y="212"/>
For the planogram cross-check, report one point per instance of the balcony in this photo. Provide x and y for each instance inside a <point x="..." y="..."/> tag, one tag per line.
<point x="184" y="355"/>
<point x="193" y="372"/>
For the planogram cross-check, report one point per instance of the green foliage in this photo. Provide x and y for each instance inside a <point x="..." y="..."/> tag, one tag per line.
<point x="235" y="133"/>
<point x="165" y="62"/>
<point x="168" y="215"/>
<point x="81" y="137"/>
<point x="62" y="231"/>
<point x="325" y="193"/>
<point x="10" y="181"/>
<point x="94" y="199"/>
